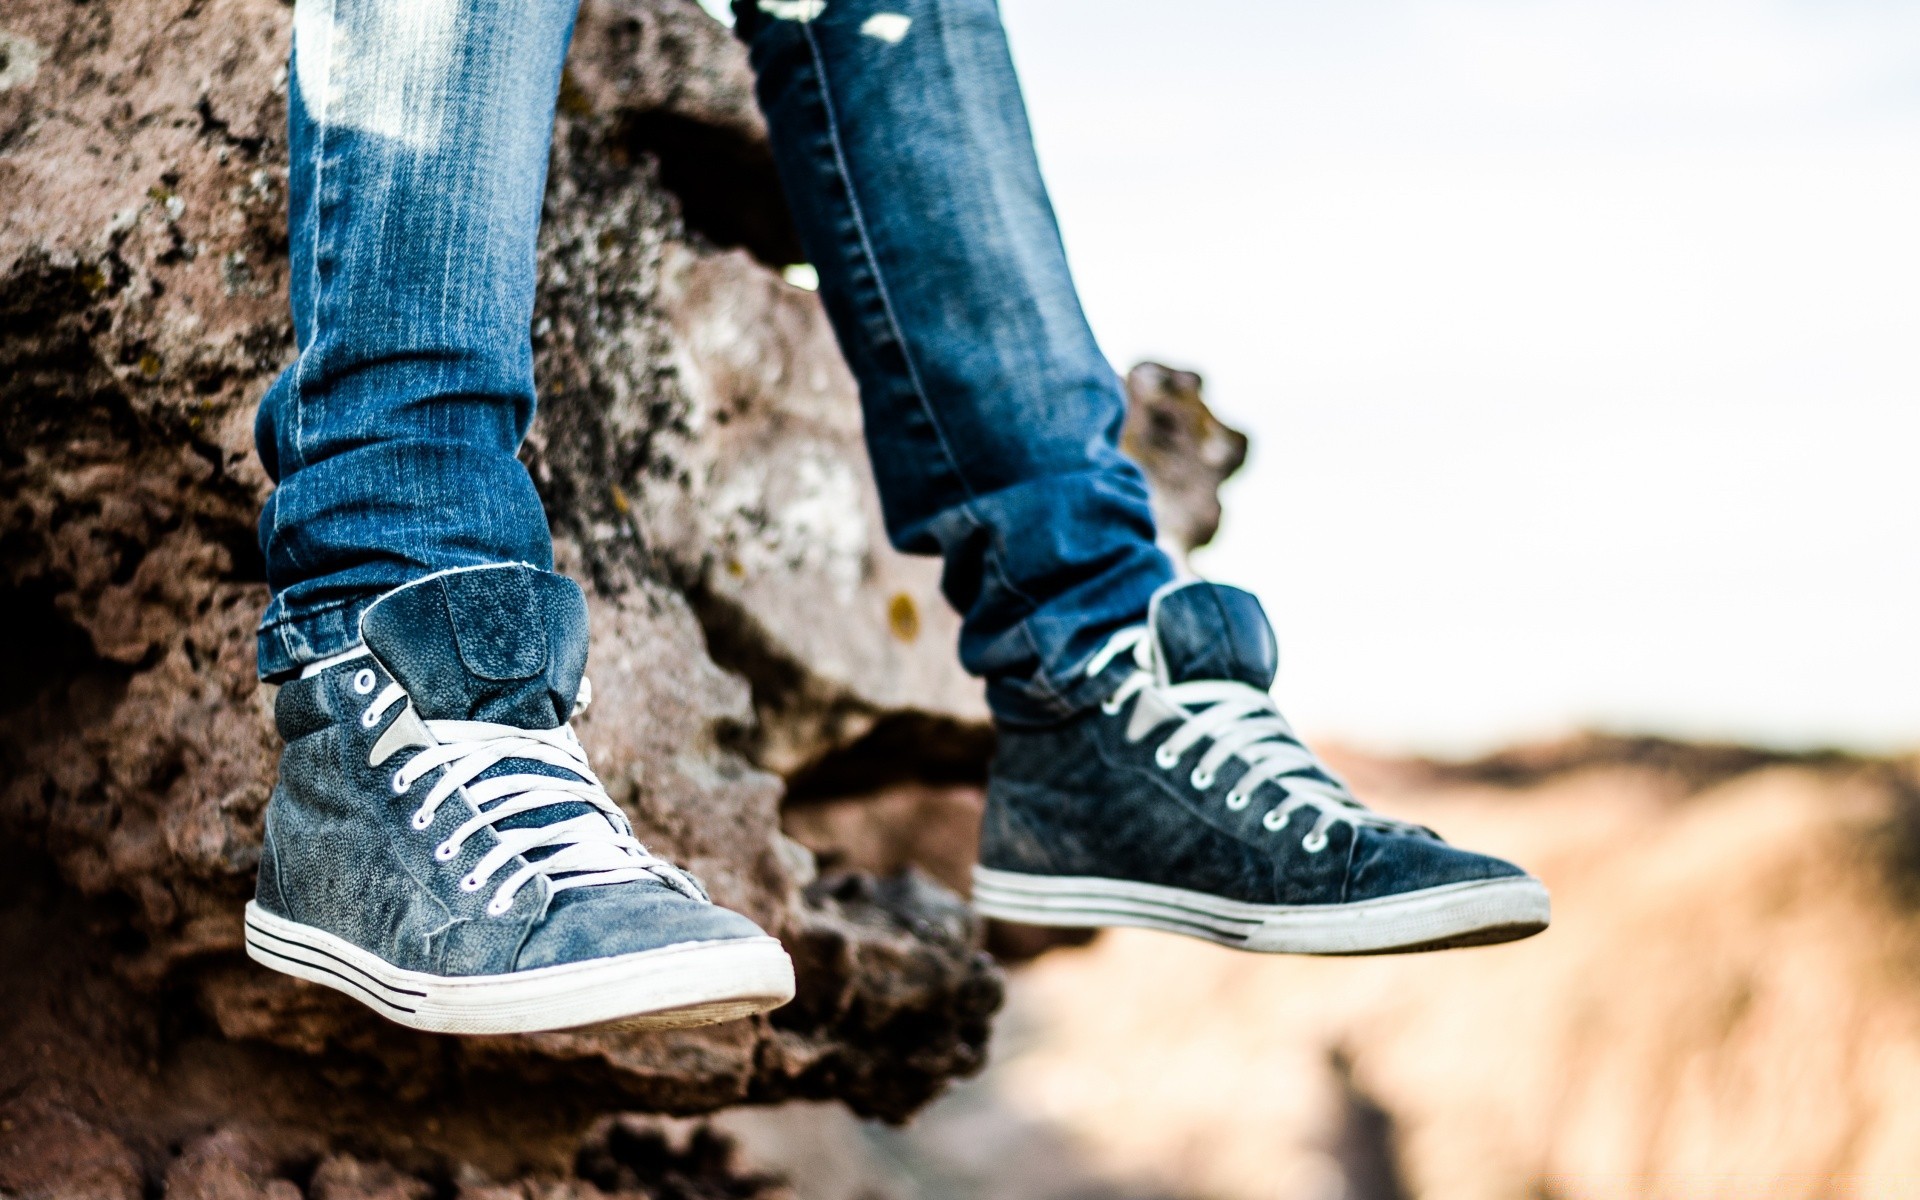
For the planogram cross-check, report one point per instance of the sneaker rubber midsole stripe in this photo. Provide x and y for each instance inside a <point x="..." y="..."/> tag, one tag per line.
<point x="1088" y="890"/>
<point x="449" y="988"/>
<point x="309" y="947"/>
<point x="257" y="948"/>
<point x="1097" y="904"/>
<point x="1016" y="912"/>
<point x="1041" y="893"/>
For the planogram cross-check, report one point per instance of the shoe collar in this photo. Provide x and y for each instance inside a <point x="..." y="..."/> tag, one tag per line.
<point x="502" y="643"/>
<point x="1198" y="630"/>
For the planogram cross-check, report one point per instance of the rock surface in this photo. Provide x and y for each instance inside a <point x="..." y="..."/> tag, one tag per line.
<point x="1186" y="450"/>
<point x="699" y="454"/>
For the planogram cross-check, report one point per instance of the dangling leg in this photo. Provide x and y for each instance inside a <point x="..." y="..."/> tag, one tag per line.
<point x="992" y="417"/>
<point x="1143" y="775"/>
<point x="437" y="846"/>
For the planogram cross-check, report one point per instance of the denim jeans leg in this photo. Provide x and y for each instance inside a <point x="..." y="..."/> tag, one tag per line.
<point x="992" y="418"/>
<point x="419" y="135"/>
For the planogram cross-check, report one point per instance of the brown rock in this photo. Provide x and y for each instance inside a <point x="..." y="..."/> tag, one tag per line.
<point x="1185" y="450"/>
<point x="227" y="1165"/>
<point x="699" y="454"/>
<point x="343" y="1178"/>
<point x="47" y="1152"/>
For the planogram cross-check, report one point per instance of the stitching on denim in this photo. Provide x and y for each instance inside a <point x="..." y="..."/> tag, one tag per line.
<point x="276" y="665"/>
<point x="290" y="618"/>
<point x="873" y="261"/>
<point x="297" y="387"/>
<point x="319" y="225"/>
<point x="280" y="631"/>
<point x="320" y="666"/>
<point x="280" y="628"/>
<point x="1051" y="697"/>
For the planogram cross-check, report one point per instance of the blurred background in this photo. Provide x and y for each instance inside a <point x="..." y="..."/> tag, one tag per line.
<point x="1574" y="338"/>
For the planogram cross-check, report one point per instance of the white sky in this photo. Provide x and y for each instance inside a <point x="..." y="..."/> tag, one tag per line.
<point x="1576" y="339"/>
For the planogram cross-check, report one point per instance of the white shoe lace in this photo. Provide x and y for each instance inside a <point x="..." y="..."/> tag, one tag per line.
<point x="590" y="849"/>
<point x="1243" y="723"/>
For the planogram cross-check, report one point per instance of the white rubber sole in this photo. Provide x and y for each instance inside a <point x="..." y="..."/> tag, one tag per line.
<point x="1476" y="913"/>
<point x="694" y="983"/>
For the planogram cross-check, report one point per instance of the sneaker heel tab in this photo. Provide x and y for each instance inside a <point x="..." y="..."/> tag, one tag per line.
<point x="505" y="643"/>
<point x="1208" y="630"/>
<point x="499" y="625"/>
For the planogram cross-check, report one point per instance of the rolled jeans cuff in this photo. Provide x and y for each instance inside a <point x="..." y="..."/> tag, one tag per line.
<point x="288" y="641"/>
<point x="1037" y="703"/>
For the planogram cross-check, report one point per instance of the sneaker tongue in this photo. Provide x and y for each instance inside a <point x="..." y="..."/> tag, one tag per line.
<point x="1211" y="631"/>
<point x="504" y="644"/>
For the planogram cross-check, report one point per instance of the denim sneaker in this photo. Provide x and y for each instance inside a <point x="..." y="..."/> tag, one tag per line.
<point x="1184" y="802"/>
<point x="438" y="848"/>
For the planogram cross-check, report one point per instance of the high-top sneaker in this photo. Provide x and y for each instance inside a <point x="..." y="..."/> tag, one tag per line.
<point x="1186" y="803"/>
<point x="438" y="848"/>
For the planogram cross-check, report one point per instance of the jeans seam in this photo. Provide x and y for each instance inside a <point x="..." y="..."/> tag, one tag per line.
<point x="873" y="261"/>
<point x="320" y="126"/>
<point x="1053" y="697"/>
<point x="291" y="618"/>
<point x="279" y="628"/>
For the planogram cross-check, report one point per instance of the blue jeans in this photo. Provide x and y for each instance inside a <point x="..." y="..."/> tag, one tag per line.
<point x="419" y="136"/>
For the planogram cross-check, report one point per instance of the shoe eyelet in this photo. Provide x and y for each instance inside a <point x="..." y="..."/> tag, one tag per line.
<point x="421" y="819"/>
<point x="400" y="783"/>
<point x="496" y="909"/>
<point x="1112" y="706"/>
<point x="364" y="680"/>
<point x="1275" y="820"/>
<point x="1201" y="780"/>
<point x="369" y="718"/>
<point x="1314" y="842"/>
<point x="445" y="851"/>
<point x="1237" y="801"/>
<point x="1165" y="761"/>
<point x="470" y="884"/>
